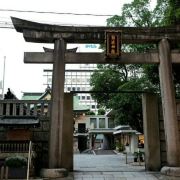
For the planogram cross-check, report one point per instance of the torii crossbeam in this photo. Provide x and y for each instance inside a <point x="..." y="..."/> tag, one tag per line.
<point x="37" y="32"/>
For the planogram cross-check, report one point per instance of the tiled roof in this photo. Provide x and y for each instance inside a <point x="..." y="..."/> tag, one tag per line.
<point x="31" y="95"/>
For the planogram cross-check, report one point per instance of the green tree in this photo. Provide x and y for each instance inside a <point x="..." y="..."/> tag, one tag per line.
<point x="107" y="79"/>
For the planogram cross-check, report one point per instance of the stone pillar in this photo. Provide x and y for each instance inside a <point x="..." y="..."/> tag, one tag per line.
<point x="169" y="104"/>
<point x="67" y="150"/>
<point x="56" y="126"/>
<point x="151" y="132"/>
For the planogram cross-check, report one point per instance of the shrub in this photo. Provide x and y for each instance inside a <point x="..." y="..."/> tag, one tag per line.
<point x="16" y="161"/>
<point x="138" y="153"/>
<point x="90" y="113"/>
<point x="138" y="156"/>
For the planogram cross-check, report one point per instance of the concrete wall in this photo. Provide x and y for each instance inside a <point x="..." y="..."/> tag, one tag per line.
<point x="86" y="120"/>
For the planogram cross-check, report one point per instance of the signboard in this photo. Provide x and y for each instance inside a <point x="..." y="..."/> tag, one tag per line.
<point x="113" y="44"/>
<point x="90" y="46"/>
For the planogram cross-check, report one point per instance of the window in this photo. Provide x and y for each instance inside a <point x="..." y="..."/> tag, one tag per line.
<point x="83" y="81"/>
<point x="101" y="122"/>
<point x="93" y="123"/>
<point x="88" y="98"/>
<point x="110" y="123"/>
<point x="83" y="97"/>
<point x="73" y="80"/>
<point x="69" y="89"/>
<point x="93" y="106"/>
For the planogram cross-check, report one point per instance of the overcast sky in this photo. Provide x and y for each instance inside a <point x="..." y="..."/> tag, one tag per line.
<point x="22" y="77"/>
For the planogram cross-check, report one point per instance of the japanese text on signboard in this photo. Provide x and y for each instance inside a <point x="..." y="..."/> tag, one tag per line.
<point x="113" y="44"/>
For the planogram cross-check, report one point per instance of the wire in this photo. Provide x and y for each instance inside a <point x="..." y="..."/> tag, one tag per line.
<point x="52" y="12"/>
<point x="67" y="13"/>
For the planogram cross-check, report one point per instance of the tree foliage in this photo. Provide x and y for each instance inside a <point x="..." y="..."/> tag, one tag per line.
<point x="172" y="13"/>
<point x="109" y="79"/>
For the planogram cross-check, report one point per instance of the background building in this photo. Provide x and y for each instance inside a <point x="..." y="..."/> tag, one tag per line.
<point x="77" y="78"/>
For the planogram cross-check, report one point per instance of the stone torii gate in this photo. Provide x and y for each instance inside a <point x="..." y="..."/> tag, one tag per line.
<point x="60" y="35"/>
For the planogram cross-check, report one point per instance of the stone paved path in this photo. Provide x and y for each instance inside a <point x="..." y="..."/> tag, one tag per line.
<point x="111" y="167"/>
<point x="107" y="163"/>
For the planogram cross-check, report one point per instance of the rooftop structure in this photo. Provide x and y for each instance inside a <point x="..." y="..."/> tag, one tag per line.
<point x="124" y="129"/>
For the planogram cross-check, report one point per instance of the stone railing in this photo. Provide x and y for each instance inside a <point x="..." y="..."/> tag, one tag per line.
<point x="24" y="108"/>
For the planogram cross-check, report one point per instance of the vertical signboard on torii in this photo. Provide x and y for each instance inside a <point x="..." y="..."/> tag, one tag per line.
<point x="113" y="44"/>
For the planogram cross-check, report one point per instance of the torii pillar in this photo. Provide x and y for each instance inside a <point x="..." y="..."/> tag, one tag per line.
<point x="169" y="107"/>
<point x="61" y="126"/>
<point x="57" y="107"/>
